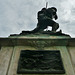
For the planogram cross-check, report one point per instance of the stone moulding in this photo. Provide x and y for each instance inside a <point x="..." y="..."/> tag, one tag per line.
<point x="47" y="42"/>
<point x="40" y="44"/>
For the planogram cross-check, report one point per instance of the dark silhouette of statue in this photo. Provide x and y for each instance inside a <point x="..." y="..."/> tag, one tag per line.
<point x="45" y="18"/>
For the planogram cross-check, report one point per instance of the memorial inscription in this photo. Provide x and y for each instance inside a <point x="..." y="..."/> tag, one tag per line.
<point x="40" y="61"/>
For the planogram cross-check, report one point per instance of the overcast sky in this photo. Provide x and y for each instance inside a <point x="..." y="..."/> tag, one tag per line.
<point x="19" y="15"/>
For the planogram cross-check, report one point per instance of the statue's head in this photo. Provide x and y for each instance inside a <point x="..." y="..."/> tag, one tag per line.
<point x="43" y="8"/>
<point x="54" y="9"/>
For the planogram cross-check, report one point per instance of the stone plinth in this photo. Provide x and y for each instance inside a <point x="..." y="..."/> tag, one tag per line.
<point x="12" y="46"/>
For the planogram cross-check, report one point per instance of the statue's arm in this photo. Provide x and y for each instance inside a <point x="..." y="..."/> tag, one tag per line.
<point x="38" y="14"/>
<point x="56" y="17"/>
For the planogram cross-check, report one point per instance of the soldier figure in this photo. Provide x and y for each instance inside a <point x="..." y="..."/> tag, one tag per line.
<point x="45" y="18"/>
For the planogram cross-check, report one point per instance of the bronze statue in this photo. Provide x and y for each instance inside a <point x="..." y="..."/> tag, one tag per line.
<point x="45" y="18"/>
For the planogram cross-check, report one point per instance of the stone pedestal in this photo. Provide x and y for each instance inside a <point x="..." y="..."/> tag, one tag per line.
<point x="11" y="53"/>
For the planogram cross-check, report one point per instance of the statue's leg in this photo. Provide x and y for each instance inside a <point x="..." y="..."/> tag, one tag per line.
<point x="55" y="27"/>
<point x="53" y="24"/>
<point x="38" y="28"/>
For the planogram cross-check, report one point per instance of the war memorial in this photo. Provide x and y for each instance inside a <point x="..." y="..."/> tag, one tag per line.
<point x="39" y="52"/>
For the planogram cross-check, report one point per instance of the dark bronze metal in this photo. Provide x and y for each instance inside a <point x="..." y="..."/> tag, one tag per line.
<point x="40" y="61"/>
<point x="45" y="18"/>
